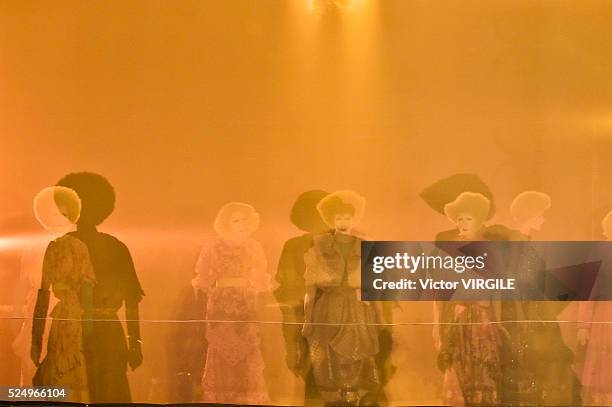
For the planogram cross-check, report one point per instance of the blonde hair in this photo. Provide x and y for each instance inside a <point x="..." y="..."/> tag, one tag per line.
<point x="62" y="199"/>
<point x="528" y="205"/>
<point x="340" y="202"/>
<point x="473" y="203"/>
<point x="222" y="220"/>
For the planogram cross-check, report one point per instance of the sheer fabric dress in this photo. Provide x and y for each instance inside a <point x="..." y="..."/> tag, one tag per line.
<point x="342" y="339"/>
<point x="232" y="275"/>
<point x="66" y="269"/>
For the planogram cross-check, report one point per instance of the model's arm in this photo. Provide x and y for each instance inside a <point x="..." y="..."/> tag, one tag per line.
<point x="310" y="262"/>
<point x="585" y="317"/>
<point x="42" y="304"/>
<point x="290" y="295"/>
<point x="132" y="315"/>
<point x="133" y="328"/>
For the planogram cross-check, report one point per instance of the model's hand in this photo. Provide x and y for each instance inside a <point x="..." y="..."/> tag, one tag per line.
<point x="435" y="334"/>
<point x="459" y="310"/>
<point x="307" y="328"/>
<point x="35" y="352"/>
<point x="296" y="358"/>
<point x="135" y="354"/>
<point x="306" y="304"/>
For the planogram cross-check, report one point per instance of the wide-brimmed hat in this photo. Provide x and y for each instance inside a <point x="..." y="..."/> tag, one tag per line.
<point x="304" y="213"/>
<point x="446" y="190"/>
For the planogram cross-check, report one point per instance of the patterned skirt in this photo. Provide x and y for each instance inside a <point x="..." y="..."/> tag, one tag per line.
<point x="342" y="343"/>
<point x="64" y="364"/>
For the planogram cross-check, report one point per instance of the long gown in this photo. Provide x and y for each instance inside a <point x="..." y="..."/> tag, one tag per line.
<point x="596" y="317"/>
<point x="470" y="350"/>
<point x="290" y="295"/>
<point x="31" y="276"/>
<point x="67" y="267"/>
<point x="231" y="276"/>
<point x="186" y="346"/>
<point x="537" y="362"/>
<point x="106" y="349"/>
<point x="342" y="340"/>
<point x="596" y="376"/>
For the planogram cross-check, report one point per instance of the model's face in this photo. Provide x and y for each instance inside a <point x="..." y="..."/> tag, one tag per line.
<point x="343" y="222"/>
<point x="56" y="220"/>
<point x="468" y="225"/>
<point x="238" y="225"/>
<point x="536" y="223"/>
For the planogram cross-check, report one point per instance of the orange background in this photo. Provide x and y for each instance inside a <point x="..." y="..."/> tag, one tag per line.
<point x="186" y="105"/>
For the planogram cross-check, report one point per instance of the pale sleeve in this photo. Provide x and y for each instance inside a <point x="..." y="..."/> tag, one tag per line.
<point x="311" y="272"/>
<point x="354" y="278"/>
<point x="206" y="275"/>
<point x="26" y="272"/>
<point x="354" y="275"/>
<point x="51" y="262"/>
<point x="259" y="276"/>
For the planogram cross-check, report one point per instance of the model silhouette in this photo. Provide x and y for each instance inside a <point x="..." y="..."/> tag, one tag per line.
<point x="231" y="271"/>
<point x="107" y="353"/>
<point x="67" y="271"/>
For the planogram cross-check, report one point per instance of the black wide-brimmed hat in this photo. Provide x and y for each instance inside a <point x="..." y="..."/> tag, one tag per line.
<point x="446" y="190"/>
<point x="304" y="213"/>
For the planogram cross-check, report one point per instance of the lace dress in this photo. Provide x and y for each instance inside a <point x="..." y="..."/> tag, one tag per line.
<point x="473" y="348"/>
<point x="66" y="268"/>
<point x="31" y="275"/>
<point x="232" y="275"/>
<point x="596" y="376"/>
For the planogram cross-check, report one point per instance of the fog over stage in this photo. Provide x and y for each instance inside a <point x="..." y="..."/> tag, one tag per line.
<point x="188" y="105"/>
